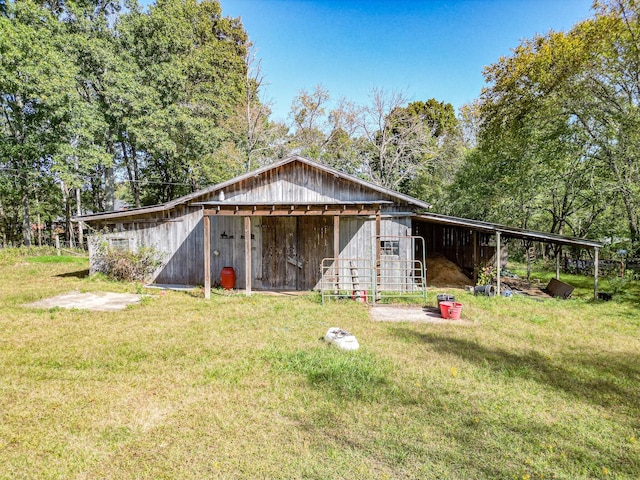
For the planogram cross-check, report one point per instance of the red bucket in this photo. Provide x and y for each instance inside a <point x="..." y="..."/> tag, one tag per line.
<point x="454" y="311"/>
<point x="444" y="308"/>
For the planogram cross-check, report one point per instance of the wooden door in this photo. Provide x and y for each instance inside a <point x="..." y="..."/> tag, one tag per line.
<point x="293" y="249"/>
<point x="279" y="253"/>
<point x="315" y="242"/>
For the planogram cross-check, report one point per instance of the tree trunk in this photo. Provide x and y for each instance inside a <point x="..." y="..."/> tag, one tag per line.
<point x="79" y="212"/>
<point x="69" y="235"/>
<point x="109" y="184"/>
<point x="26" y="220"/>
<point x="132" y="172"/>
<point x="3" y="233"/>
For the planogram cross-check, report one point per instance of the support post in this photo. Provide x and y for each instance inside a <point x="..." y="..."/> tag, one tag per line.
<point x="336" y="236"/>
<point x="595" y="273"/>
<point x="247" y="254"/>
<point x="378" y="252"/>
<point x="558" y="254"/>
<point x="474" y="257"/>
<point x="207" y="256"/>
<point x="498" y="262"/>
<point x="336" y="251"/>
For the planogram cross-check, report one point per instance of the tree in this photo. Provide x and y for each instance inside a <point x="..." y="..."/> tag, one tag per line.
<point x="559" y="124"/>
<point x="397" y="141"/>
<point x="36" y="98"/>
<point x="193" y="60"/>
<point x="442" y="161"/>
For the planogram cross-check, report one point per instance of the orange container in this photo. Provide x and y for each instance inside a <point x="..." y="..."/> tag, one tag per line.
<point x="228" y="278"/>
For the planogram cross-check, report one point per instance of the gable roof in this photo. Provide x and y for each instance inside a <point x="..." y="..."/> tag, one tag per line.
<point x="195" y="196"/>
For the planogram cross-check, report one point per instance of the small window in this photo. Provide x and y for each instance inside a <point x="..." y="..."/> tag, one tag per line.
<point x="390" y="247"/>
<point x="120" y="243"/>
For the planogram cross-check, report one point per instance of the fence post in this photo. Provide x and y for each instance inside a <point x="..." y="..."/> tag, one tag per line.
<point x="57" y="239"/>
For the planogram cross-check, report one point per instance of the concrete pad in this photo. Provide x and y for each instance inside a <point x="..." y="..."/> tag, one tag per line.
<point x="97" y="302"/>
<point x="396" y="313"/>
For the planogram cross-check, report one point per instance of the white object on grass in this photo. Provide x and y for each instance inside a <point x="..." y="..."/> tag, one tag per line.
<point x="341" y="339"/>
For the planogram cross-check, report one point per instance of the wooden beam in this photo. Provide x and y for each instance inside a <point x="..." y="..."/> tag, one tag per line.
<point x="247" y="254"/>
<point x="498" y="262"/>
<point x="207" y="256"/>
<point x="286" y="212"/>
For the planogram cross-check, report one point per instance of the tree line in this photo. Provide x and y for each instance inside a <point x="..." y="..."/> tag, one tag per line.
<point x="559" y="133"/>
<point x="104" y="100"/>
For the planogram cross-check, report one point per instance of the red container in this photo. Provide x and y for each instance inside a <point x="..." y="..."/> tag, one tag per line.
<point x="444" y="309"/>
<point x="228" y="278"/>
<point x="455" y="310"/>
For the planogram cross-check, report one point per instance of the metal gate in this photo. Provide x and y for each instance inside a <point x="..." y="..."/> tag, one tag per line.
<point x="396" y="269"/>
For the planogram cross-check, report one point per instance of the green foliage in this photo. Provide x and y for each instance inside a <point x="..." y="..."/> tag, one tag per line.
<point x="127" y="265"/>
<point x="90" y="92"/>
<point x="557" y="137"/>
<point x="622" y="287"/>
<point x="486" y="274"/>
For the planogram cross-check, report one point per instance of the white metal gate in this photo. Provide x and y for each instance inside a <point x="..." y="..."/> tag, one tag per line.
<point x="396" y="269"/>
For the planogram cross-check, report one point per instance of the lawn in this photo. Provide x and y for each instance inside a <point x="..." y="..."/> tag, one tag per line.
<point x="243" y="387"/>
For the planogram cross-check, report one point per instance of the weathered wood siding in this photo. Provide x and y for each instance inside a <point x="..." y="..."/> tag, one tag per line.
<point x="299" y="183"/>
<point x="179" y="237"/>
<point x="456" y="244"/>
<point x="286" y="251"/>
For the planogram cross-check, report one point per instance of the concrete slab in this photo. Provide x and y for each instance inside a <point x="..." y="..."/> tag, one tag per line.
<point x="98" y="302"/>
<point x="396" y="313"/>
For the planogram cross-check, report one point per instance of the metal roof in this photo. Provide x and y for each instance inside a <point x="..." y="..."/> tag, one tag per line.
<point x="512" y="232"/>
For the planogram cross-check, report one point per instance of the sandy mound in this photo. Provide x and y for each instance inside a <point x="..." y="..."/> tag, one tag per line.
<point x="444" y="273"/>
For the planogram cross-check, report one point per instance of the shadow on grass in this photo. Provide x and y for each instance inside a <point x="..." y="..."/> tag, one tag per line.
<point x="605" y="379"/>
<point x="77" y="274"/>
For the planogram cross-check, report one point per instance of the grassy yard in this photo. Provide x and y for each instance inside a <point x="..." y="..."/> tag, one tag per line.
<point x="237" y="387"/>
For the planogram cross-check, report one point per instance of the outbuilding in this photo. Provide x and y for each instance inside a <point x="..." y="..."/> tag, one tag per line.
<point x="300" y="225"/>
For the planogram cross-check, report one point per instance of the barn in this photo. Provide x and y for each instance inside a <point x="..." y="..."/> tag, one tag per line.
<point x="300" y="225"/>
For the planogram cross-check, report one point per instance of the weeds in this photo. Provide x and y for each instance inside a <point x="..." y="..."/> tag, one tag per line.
<point x="126" y="265"/>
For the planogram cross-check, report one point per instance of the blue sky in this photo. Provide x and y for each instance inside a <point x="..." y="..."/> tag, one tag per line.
<point x="423" y="48"/>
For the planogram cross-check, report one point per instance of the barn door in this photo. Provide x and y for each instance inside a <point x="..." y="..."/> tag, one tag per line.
<point x="279" y="253"/>
<point x="293" y="249"/>
<point x="315" y="242"/>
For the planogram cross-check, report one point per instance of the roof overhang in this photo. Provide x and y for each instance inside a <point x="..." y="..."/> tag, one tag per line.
<point x="512" y="232"/>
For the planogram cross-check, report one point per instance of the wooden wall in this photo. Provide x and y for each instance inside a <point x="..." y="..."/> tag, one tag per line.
<point x="299" y="182"/>
<point x="180" y="238"/>
<point x="456" y="244"/>
<point x="179" y="232"/>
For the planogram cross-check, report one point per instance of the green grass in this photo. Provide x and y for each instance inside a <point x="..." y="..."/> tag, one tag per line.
<point x="237" y="387"/>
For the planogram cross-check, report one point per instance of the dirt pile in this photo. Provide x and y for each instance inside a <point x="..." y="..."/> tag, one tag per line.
<point x="444" y="273"/>
<point x="523" y="286"/>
